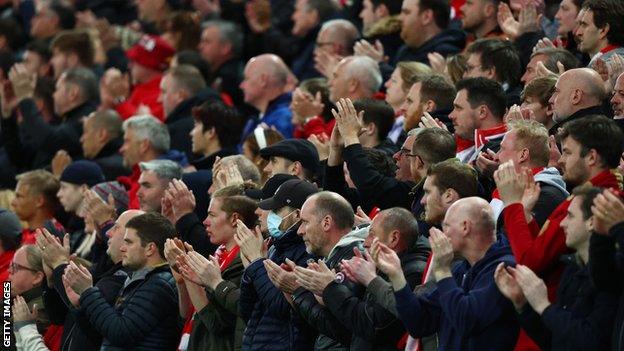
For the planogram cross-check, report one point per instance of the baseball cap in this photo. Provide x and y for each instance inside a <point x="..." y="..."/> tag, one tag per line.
<point x="151" y="51"/>
<point x="291" y="193"/>
<point x="295" y="150"/>
<point x="270" y="187"/>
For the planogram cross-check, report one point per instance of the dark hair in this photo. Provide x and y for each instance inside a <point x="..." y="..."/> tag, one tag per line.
<point x="6" y="62"/>
<point x="393" y="6"/>
<point x="314" y="86"/>
<point x="152" y="227"/>
<point x="40" y="48"/>
<point x="599" y="133"/>
<point x="588" y="193"/>
<point x="187" y="25"/>
<point x="608" y="12"/>
<point x="438" y="90"/>
<point x="325" y="9"/>
<point x="44" y="91"/>
<point x="193" y="58"/>
<point x="10" y="243"/>
<point x="500" y="55"/>
<point x="434" y="145"/>
<point x="334" y="205"/>
<point x="441" y="11"/>
<point x="399" y="218"/>
<point x="381" y="161"/>
<point x="75" y="42"/>
<point x="377" y="112"/>
<point x="226" y="121"/>
<point x="483" y="91"/>
<point x="452" y="174"/>
<point x="567" y="59"/>
<point x="67" y="18"/>
<point x="12" y="32"/>
<point x="85" y="80"/>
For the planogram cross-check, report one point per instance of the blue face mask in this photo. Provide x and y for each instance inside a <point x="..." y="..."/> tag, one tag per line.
<point x="273" y="223"/>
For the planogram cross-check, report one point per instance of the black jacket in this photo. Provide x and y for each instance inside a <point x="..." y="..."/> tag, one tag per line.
<point x="180" y="121"/>
<point x="48" y="139"/>
<point x="333" y="335"/>
<point x="595" y="110"/>
<point x="374" y="187"/>
<point x="111" y="161"/>
<point x="606" y="265"/>
<point x="271" y="323"/>
<point x="580" y="319"/>
<point x="144" y="317"/>
<point x="228" y="77"/>
<point x="374" y="327"/>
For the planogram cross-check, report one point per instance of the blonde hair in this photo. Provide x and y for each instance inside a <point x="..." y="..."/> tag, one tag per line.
<point x="412" y="72"/>
<point x="33" y="256"/>
<point x="533" y="136"/>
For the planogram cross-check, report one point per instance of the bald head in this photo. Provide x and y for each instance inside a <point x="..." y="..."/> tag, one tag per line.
<point x="576" y="89"/>
<point x="355" y="77"/>
<point x="265" y="78"/>
<point x="340" y="32"/>
<point x="116" y="234"/>
<point x="475" y="210"/>
<point x="272" y="66"/>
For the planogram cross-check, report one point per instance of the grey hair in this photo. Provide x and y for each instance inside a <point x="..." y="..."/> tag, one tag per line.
<point x="341" y="31"/>
<point x="187" y="77"/>
<point x="107" y="119"/>
<point x="164" y="169"/>
<point x="248" y="170"/>
<point x="365" y="70"/>
<point x="229" y="32"/>
<point x="85" y="80"/>
<point x="415" y="131"/>
<point x="147" y="127"/>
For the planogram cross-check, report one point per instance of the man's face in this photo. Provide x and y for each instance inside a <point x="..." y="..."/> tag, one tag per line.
<point x="531" y="68"/>
<point x="473" y="14"/>
<point x="432" y="200"/>
<point x="375" y="230"/>
<point x="70" y="196"/>
<point x="561" y="99"/>
<point x="151" y="191"/>
<point x="33" y="62"/>
<point x="474" y="68"/>
<point x="131" y="148"/>
<point x="219" y="227"/>
<point x="303" y="19"/>
<point x="402" y="160"/>
<point x="577" y="230"/>
<point x="262" y="219"/>
<point x="395" y="96"/>
<point x="413" y="107"/>
<point x="198" y="138"/>
<point x="210" y="45"/>
<point x="60" y="62"/>
<point x="62" y="97"/>
<point x="543" y="114"/>
<point x="367" y="15"/>
<point x="116" y="235"/>
<point x="463" y="116"/>
<point x="617" y="100"/>
<point x="133" y="254"/>
<point x="147" y="9"/>
<point x="566" y="16"/>
<point x="587" y="34"/>
<point x="310" y="228"/>
<point x="453" y="227"/>
<point x="22" y="275"/>
<point x="89" y="140"/>
<point x="508" y="149"/>
<point x="339" y="83"/>
<point x="573" y="165"/>
<point x="170" y="95"/>
<point x="43" y="24"/>
<point x="411" y="23"/>
<point x="277" y="165"/>
<point x="251" y="85"/>
<point x="24" y="204"/>
<point x="139" y="73"/>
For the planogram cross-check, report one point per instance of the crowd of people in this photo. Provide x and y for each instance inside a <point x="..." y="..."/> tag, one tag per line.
<point x="312" y="174"/>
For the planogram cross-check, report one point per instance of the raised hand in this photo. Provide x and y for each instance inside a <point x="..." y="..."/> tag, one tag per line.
<point x="388" y="262"/>
<point x="608" y="210"/>
<point x="325" y="63"/>
<point x="21" y="312"/>
<point x="359" y="268"/>
<point x="487" y="162"/>
<point x="361" y="217"/>
<point x="348" y="121"/>
<point x="315" y="279"/>
<point x="530" y="195"/>
<point x="283" y="279"/>
<point x="508" y="286"/>
<point x="437" y="62"/>
<point x="364" y="48"/>
<point x="207" y="270"/>
<point x="174" y="248"/>
<point x="53" y="252"/>
<point x="60" y="161"/>
<point x="78" y="277"/>
<point x="304" y="105"/>
<point x="99" y="211"/>
<point x="442" y="251"/>
<point x="533" y="288"/>
<point x="509" y="184"/>
<point x="23" y="81"/>
<point x="543" y="43"/>
<point x="427" y="121"/>
<point x="250" y="242"/>
<point x="507" y="22"/>
<point x="181" y="198"/>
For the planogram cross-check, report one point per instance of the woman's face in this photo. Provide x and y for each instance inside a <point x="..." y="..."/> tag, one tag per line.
<point x="566" y="15"/>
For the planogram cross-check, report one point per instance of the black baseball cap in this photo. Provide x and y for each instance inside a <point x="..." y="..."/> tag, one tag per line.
<point x="270" y="187"/>
<point x="291" y="193"/>
<point x="295" y="150"/>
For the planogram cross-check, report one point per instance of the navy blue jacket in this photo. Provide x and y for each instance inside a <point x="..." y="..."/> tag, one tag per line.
<point x="145" y="316"/>
<point x="467" y="310"/>
<point x="581" y="319"/>
<point x="263" y="306"/>
<point x="277" y="115"/>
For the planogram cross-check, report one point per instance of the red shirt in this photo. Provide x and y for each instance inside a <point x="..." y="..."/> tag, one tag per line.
<point x="5" y="261"/>
<point x="131" y="183"/>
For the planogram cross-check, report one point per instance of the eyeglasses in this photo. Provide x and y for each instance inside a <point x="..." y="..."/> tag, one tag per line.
<point x="14" y="267"/>
<point x="406" y="152"/>
<point x="323" y="43"/>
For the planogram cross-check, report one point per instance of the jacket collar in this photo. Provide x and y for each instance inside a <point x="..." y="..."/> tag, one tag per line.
<point x="111" y="148"/>
<point x="594" y="110"/>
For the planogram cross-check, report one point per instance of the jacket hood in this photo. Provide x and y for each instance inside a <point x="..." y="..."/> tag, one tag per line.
<point x="385" y="26"/>
<point x="551" y="176"/>
<point x="355" y="235"/>
<point x="449" y="37"/>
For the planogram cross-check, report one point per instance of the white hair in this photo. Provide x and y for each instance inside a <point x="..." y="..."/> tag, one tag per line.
<point x="147" y="127"/>
<point x="365" y="70"/>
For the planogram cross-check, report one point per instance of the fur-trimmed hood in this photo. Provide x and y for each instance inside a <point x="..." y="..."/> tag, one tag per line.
<point x="385" y="26"/>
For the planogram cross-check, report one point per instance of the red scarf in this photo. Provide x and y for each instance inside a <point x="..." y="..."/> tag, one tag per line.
<point x="608" y="48"/>
<point x="483" y="135"/>
<point x="226" y="257"/>
<point x="5" y="261"/>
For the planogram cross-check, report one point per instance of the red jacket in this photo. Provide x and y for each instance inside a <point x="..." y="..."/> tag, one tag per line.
<point x="315" y="126"/>
<point x="143" y="94"/>
<point x="131" y="183"/>
<point x="5" y="261"/>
